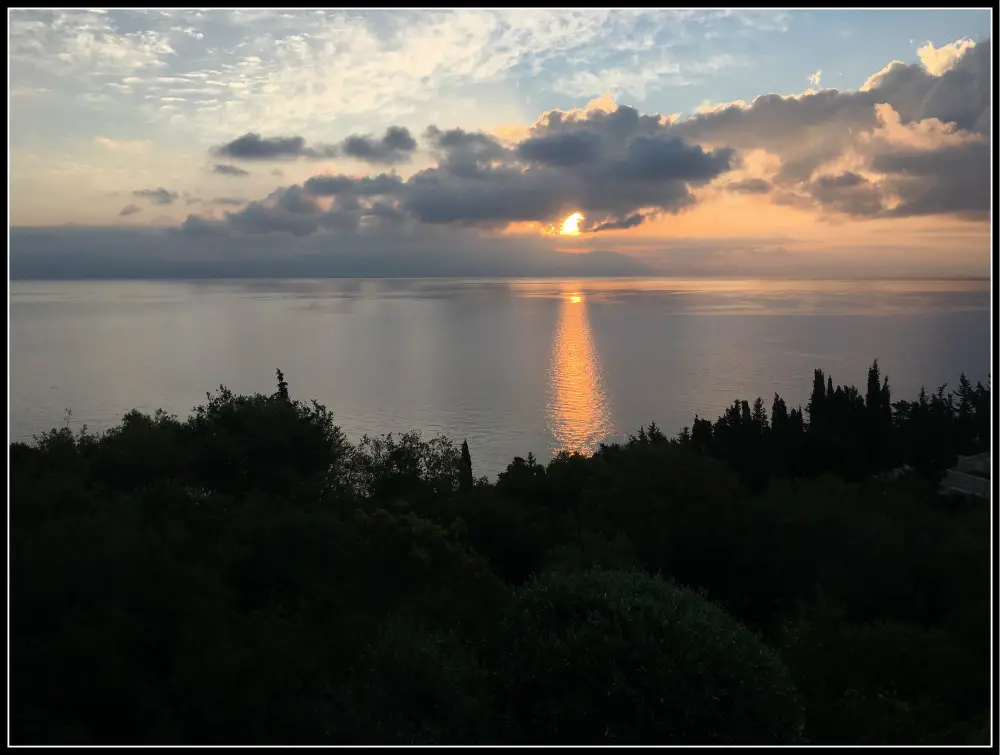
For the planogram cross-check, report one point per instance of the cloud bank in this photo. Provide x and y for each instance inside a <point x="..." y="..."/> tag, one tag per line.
<point x="617" y="168"/>
<point x="914" y="141"/>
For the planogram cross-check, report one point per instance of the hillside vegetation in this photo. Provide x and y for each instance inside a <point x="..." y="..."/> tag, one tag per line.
<point x="248" y="576"/>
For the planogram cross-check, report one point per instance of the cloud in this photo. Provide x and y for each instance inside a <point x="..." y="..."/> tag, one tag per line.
<point x="847" y="193"/>
<point x="396" y="146"/>
<point x="84" y="44"/>
<point x="230" y="201"/>
<point x="341" y="185"/>
<point x="938" y="61"/>
<point x="129" y="209"/>
<point x="617" y="167"/>
<point x="563" y="150"/>
<point x="913" y="140"/>
<point x="631" y="221"/>
<point x="951" y="180"/>
<point x="911" y="144"/>
<point x="750" y="186"/>
<point x="117" y="145"/>
<point x="815" y="78"/>
<point x="297" y="71"/>
<point x="157" y="196"/>
<point x="230" y="170"/>
<point x="253" y="146"/>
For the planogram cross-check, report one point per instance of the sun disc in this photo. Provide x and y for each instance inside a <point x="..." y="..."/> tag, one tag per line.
<point x="571" y="226"/>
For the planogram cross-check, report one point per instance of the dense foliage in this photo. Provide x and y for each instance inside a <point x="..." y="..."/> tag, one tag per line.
<point x="248" y="576"/>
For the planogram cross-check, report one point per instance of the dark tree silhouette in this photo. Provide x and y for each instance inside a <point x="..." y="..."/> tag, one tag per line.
<point x="465" y="473"/>
<point x="281" y="585"/>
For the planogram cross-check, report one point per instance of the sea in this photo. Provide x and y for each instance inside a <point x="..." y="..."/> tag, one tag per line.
<point x="511" y="365"/>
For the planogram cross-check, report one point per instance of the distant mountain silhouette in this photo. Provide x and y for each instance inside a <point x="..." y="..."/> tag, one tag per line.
<point x="130" y="253"/>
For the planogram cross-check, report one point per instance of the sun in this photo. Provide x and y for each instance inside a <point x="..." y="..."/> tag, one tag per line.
<point x="571" y="226"/>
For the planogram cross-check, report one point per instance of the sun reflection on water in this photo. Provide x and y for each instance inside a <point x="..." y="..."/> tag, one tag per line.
<point x="578" y="412"/>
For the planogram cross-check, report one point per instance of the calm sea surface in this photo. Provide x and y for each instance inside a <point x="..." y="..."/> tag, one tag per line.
<point x="512" y="365"/>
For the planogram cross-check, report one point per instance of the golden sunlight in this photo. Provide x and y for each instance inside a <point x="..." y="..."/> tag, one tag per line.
<point x="571" y="226"/>
<point x="579" y="416"/>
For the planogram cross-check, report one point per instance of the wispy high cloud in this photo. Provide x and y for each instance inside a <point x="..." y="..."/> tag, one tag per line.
<point x="277" y="71"/>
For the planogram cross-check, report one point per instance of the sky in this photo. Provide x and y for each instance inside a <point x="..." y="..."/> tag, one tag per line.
<point x="284" y="143"/>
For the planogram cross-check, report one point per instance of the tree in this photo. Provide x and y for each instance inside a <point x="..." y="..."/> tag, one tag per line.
<point x="759" y="416"/>
<point x="701" y="434"/>
<point x="817" y="400"/>
<point x="282" y="386"/>
<point x="465" y="470"/>
<point x="779" y="412"/>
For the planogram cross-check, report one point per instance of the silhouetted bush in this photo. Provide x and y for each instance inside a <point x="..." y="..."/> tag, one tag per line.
<point x="884" y="682"/>
<point x="415" y="687"/>
<point x="594" y="551"/>
<point x="621" y="657"/>
<point x="247" y="576"/>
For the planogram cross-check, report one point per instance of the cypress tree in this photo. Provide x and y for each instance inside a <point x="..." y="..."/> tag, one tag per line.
<point x="465" y="470"/>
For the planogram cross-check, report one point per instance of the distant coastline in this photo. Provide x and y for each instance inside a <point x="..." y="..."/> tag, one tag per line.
<point x="501" y="276"/>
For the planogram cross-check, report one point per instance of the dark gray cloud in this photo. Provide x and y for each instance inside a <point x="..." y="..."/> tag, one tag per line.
<point x="628" y="222"/>
<point x="295" y="211"/>
<point x="671" y="159"/>
<point x="252" y="146"/>
<point x="157" y="196"/>
<point x="562" y="149"/>
<point x="466" y="153"/>
<point x="328" y="186"/>
<point x="848" y="193"/>
<point x="129" y="209"/>
<point x="230" y="201"/>
<point x="949" y="180"/>
<point x="230" y="170"/>
<point x="196" y="225"/>
<point x="750" y="186"/>
<point x="618" y="169"/>
<point x="396" y="146"/>
<point x="608" y="166"/>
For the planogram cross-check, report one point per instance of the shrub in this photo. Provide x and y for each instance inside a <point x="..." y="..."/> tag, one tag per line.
<point x="883" y="683"/>
<point x="601" y="657"/>
<point x="414" y="687"/>
<point x="594" y="551"/>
